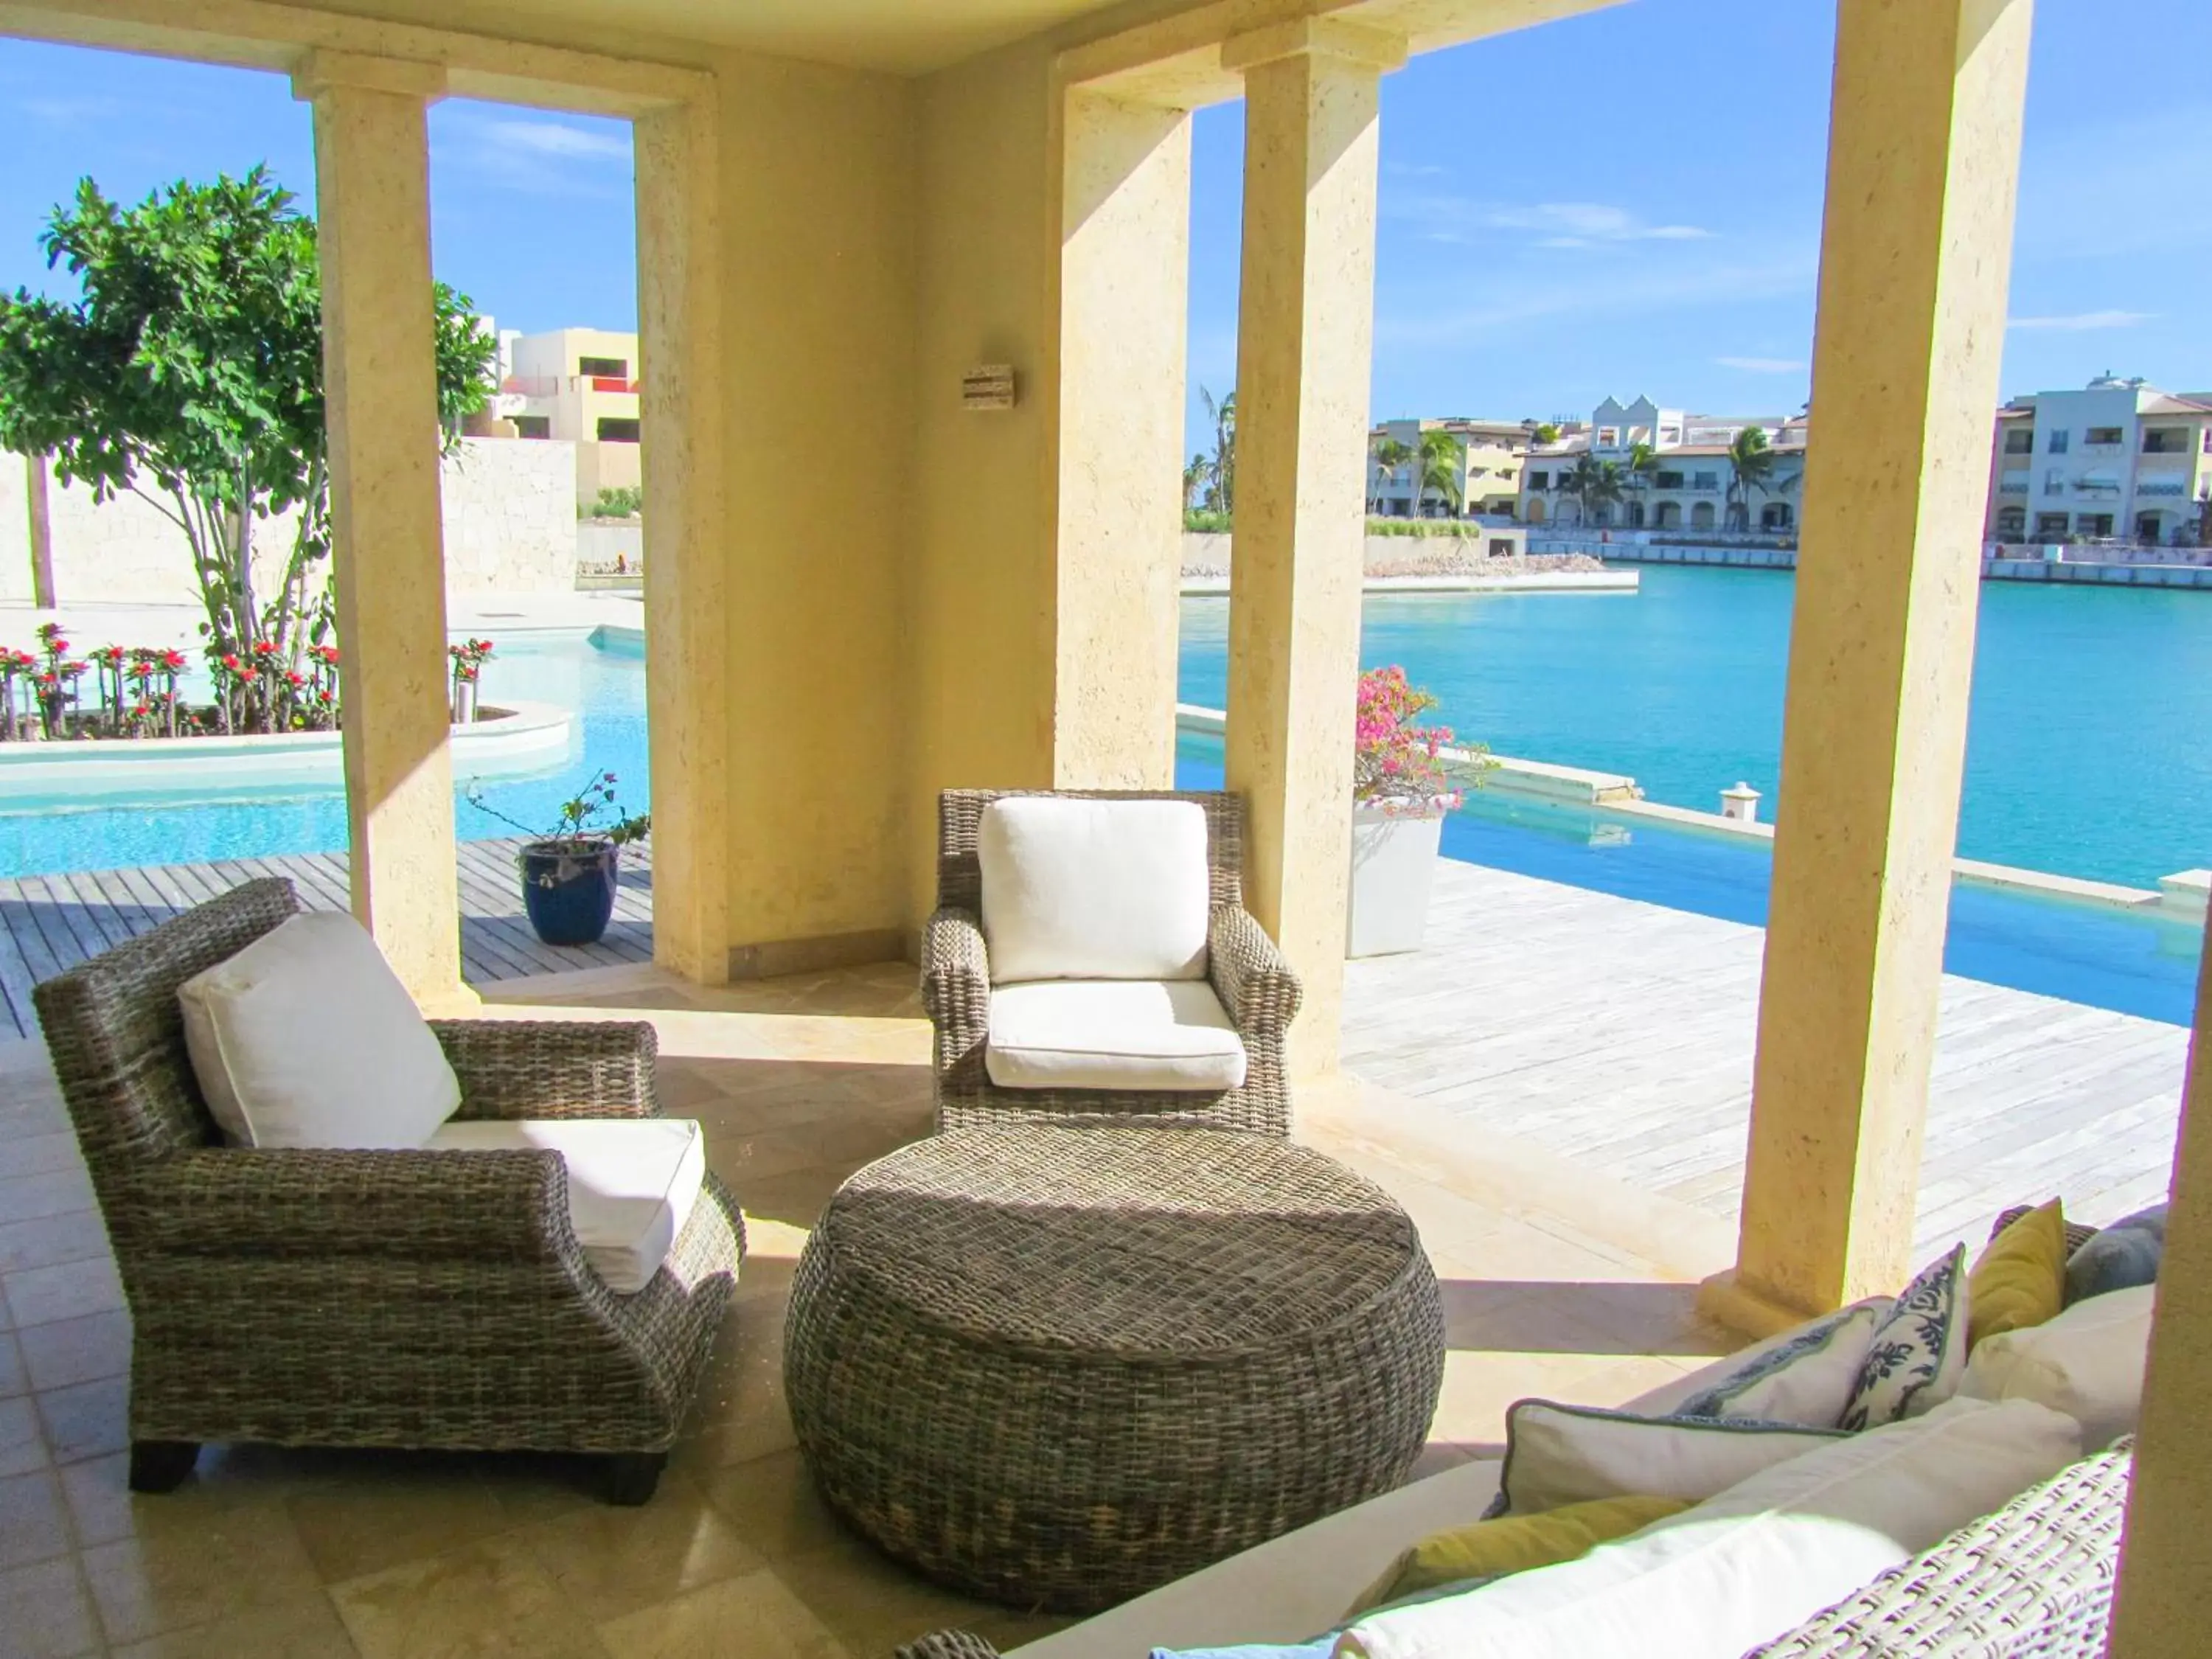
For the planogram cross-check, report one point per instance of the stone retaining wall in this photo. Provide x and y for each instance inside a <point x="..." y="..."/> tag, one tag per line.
<point x="510" y="521"/>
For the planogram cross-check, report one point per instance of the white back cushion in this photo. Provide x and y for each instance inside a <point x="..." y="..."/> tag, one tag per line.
<point x="1558" y="1454"/>
<point x="1756" y="1560"/>
<point x="2088" y="1361"/>
<point x="1094" y="888"/>
<point x="306" y="1038"/>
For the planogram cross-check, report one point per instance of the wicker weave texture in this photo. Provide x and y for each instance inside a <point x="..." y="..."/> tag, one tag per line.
<point x="2033" y="1581"/>
<point x="1250" y="976"/>
<point x="1058" y="1366"/>
<point x="388" y="1298"/>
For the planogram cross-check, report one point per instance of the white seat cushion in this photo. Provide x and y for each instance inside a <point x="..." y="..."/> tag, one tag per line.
<point x="306" y="1038"/>
<point x="1094" y="888"/>
<point x="1112" y="1034"/>
<point x="632" y="1182"/>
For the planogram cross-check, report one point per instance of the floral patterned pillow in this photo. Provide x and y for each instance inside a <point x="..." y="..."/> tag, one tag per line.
<point x="1918" y="1353"/>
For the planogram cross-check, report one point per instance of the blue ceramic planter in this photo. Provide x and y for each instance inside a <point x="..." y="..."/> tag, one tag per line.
<point x="569" y="890"/>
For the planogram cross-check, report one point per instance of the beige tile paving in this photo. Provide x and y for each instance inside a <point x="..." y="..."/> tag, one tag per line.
<point x="1554" y="1283"/>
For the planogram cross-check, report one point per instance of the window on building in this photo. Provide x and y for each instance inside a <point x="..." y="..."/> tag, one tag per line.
<point x="614" y="431"/>
<point x="1704" y="481"/>
<point x="612" y="369"/>
<point x="2050" y="526"/>
<point x="2054" y="482"/>
<point x="2012" y="524"/>
<point x="1667" y="480"/>
<point x="1608" y="437"/>
<point x="2020" y="440"/>
<point x="2094" y="524"/>
<point x="2103" y="434"/>
<point x="2058" y="444"/>
<point x="534" y="426"/>
<point x="1539" y="481"/>
<point x="2166" y="441"/>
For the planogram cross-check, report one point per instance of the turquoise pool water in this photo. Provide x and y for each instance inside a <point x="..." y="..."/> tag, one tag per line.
<point x="2087" y="756"/>
<point x="2090" y="750"/>
<point x="605" y="684"/>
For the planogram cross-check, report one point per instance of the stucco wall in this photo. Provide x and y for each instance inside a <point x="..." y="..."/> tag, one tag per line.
<point x="818" y="260"/>
<point x="510" y="521"/>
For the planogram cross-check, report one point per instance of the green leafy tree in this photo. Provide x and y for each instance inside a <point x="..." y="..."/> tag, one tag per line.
<point x="1221" y="464"/>
<point x="1194" y="484"/>
<point x="1593" y="484"/>
<point x="190" y="373"/>
<point x="1546" y="431"/>
<point x="1444" y="470"/>
<point x="1390" y="454"/>
<point x="1751" y="467"/>
<point x="1636" y="472"/>
<point x="1435" y="466"/>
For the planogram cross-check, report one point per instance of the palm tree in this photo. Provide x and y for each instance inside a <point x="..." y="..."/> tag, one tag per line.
<point x="1442" y="468"/>
<point x="1594" y="484"/>
<point x="1221" y="465"/>
<point x="1194" y="475"/>
<point x="1751" y="464"/>
<point x="1635" y="472"/>
<point x="1390" y="454"/>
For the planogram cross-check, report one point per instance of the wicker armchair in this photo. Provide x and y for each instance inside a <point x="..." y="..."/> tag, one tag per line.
<point x="412" y="1299"/>
<point x="1251" y="977"/>
<point x="2033" y="1581"/>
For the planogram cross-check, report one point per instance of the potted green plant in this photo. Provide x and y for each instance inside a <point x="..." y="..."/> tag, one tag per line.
<point x="569" y="875"/>
<point x="1401" y="789"/>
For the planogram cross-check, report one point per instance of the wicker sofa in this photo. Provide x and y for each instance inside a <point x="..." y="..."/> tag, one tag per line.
<point x="2032" y="1581"/>
<point x="1253" y="980"/>
<point x="410" y="1299"/>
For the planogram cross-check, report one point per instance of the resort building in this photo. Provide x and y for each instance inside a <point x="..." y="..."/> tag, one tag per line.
<point x="1483" y="463"/>
<point x="581" y="385"/>
<point x="958" y="234"/>
<point x="2118" y="460"/>
<point x="1687" y="480"/>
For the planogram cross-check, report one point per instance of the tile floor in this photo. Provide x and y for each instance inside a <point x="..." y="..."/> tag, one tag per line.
<point x="1555" y="1283"/>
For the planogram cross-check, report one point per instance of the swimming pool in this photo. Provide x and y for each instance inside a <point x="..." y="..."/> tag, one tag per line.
<point x="2133" y="961"/>
<point x="601" y="678"/>
<point x="2137" y="963"/>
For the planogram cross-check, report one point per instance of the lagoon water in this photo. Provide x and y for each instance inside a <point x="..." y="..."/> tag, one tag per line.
<point x="2089" y="749"/>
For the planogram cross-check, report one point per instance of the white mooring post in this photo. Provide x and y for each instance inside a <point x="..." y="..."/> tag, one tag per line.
<point x="1740" y="803"/>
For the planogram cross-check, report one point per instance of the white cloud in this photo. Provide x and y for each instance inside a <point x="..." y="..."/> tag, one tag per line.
<point x="552" y="138"/>
<point x="1547" y="224"/>
<point x="1763" y="365"/>
<point x="2078" y="321"/>
<point x="1506" y="301"/>
<point x="534" y="157"/>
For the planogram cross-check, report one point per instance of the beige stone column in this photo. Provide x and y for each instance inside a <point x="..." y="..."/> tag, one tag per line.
<point x="681" y="352"/>
<point x="1304" y="339"/>
<point x="1124" y="282"/>
<point x="380" y="390"/>
<point x="2165" y="1605"/>
<point x="1915" y="250"/>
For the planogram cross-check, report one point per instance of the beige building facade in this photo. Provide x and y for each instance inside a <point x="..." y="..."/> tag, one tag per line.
<point x="1484" y="461"/>
<point x="2116" y="461"/>
<point x="581" y="385"/>
<point x="1690" y="486"/>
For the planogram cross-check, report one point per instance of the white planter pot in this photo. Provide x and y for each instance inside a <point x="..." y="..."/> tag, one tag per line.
<point x="1393" y="861"/>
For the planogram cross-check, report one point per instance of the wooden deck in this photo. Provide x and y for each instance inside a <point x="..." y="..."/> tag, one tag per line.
<point x="1614" y="1034"/>
<point x="1620" y="1035"/>
<point x="49" y="922"/>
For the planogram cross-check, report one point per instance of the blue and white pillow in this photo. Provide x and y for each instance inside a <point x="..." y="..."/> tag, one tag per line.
<point x="1806" y="1375"/>
<point x="1919" y="1353"/>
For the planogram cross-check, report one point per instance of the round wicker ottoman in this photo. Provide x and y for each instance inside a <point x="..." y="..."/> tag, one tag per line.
<point x="1059" y="1366"/>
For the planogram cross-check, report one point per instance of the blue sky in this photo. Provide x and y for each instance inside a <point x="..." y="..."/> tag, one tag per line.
<point x="1620" y="203"/>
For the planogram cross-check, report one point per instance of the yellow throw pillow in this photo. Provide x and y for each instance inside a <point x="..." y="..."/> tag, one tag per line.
<point x="1513" y="1543"/>
<point x="2020" y="1280"/>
